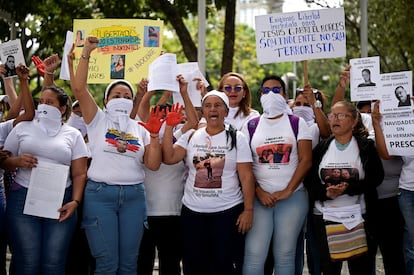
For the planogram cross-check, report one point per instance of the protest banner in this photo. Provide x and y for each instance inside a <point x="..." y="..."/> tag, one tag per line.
<point x="11" y="54"/>
<point x="397" y="111"/>
<point x="364" y="78"/>
<point x="302" y="35"/>
<point x="126" y="47"/>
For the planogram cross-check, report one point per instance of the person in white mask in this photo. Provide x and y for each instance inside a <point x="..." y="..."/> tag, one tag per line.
<point x="40" y="244"/>
<point x="114" y="205"/>
<point x="309" y="105"/>
<point x="281" y="202"/>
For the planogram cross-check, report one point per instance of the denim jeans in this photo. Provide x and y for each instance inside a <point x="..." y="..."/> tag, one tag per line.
<point x="39" y="245"/>
<point x="284" y="222"/>
<point x="113" y="218"/>
<point x="406" y="201"/>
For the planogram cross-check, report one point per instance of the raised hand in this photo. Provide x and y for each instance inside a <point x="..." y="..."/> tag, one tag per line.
<point x="155" y="121"/>
<point x="90" y="44"/>
<point x="174" y="117"/>
<point x="51" y="63"/>
<point x="40" y="67"/>
<point x="22" y="71"/>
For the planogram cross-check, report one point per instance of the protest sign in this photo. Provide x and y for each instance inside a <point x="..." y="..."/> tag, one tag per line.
<point x="190" y="71"/>
<point x="364" y="78"/>
<point x="397" y="109"/>
<point x="302" y="35"/>
<point x="11" y="54"/>
<point x="126" y="47"/>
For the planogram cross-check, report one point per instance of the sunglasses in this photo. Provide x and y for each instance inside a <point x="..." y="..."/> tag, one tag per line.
<point x="236" y="89"/>
<point x="266" y="90"/>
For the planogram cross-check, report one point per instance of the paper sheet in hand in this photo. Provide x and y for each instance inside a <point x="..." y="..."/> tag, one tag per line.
<point x="162" y="74"/>
<point x="46" y="190"/>
<point x="64" y="68"/>
<point x="190" y="71"/>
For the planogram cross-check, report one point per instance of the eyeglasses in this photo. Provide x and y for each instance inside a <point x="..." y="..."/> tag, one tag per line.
<point x="266" y="90"/>
<point x="236" y="89"/>
<point x="339" y="116"/>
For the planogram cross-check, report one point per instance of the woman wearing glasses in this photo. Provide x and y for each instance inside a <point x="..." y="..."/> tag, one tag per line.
<point x="236" y="89"/>
<point x="281" y="201"/>
<point x="348" y="148"/>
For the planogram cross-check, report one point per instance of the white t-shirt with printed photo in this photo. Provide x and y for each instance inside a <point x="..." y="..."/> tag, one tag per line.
<point x="275" y="152"/>
<point x="347" y="163"/>
<point x="117" y="158"/>
<point x="213" y="184"/>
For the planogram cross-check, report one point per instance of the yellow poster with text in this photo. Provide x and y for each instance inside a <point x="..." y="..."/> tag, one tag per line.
<point x="126" y="47"/>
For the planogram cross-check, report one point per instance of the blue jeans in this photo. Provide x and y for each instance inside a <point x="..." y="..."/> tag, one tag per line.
<point x="39" y="245"/>
<point x="406" y="201"/>
<point x="284" y="222"/>
<point x="113" y="218"/>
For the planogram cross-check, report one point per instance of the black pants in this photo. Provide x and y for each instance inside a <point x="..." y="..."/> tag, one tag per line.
<point x="388" y="235"/>
<point x="212" y="243"/>
<point x="164" y="234"/>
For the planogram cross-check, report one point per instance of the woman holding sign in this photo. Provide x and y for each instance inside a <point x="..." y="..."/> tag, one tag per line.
<point x="406" y="188"/>
<point x="114" y="205"/>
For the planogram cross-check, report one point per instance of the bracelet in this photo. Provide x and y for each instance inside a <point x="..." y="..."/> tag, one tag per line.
<point x="51" y="73"/>
<point x="77" y="201"/>
<point x="154" y="136"/>
<point x="249" y="209"/>
<point x="85" y="56"/>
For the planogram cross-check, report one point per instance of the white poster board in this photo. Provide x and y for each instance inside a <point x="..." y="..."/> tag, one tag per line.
<point x="11" y="54"/>
<point x="397" y="111"/>
<point x="364" y="78"/>
<point x="302" y="35"/>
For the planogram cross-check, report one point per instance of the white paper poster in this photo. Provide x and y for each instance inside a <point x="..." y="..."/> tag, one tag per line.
<point x="301" y="35"/>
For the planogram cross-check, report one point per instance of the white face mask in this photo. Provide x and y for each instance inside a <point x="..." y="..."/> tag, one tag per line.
<point x="49" y="118"/>
<point x="77" y="122"/>
<point x="273" y="105"/>
<point x="118" y="110"/>
<point x="305" y="112"/>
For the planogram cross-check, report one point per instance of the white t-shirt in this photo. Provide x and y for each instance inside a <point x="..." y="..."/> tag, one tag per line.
<point x="342" y="163"/>
<point x="28" y="137"/>
<point x="275" y="153"/>
<point x="314" y="131"/>
<point x="240" y="121"/>
<point x="213" y="184"/>
<point x="407" y="174"/>
<point x="116" y="158"/>
<point x="164" y="188"/>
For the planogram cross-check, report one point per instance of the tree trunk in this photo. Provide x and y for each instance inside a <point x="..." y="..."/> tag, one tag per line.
<point x="229" y="37"/>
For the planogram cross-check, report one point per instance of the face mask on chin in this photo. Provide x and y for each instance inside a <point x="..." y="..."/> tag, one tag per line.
<point x="49" y="119"/>
<point x="118" y="110"/>
<point x="273" y="105"/>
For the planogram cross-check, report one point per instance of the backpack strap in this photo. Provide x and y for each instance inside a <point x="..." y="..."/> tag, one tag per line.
<point x="294" y="123"/>
<point x="293" y="119"/>
<point x="252" y="125"/>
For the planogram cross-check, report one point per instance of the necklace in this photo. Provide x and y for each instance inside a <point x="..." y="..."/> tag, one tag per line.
<point x="341" y="147"/>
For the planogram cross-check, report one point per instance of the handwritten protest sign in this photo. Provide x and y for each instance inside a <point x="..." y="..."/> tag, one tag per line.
<point x="397" y="109"/>
<point x="11" y="54"/>
<point x="300" y="35"/>
<point x="126" y="47"/>
<point x="364" y="75"/>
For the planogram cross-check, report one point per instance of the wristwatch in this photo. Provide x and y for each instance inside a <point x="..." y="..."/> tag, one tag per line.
<point x="317" y="104"/>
